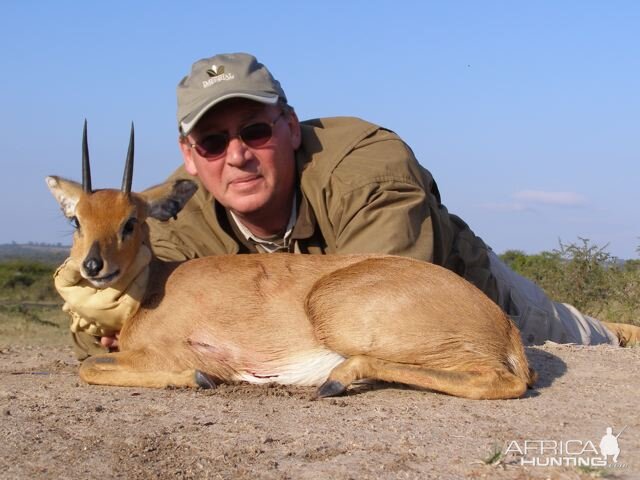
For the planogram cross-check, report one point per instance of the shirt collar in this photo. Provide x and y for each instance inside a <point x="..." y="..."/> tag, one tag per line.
<point x="270" y="244"/>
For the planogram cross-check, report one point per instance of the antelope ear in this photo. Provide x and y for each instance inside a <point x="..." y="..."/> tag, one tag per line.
<point x="166" y="200"/>
<point x="66" y="192"/>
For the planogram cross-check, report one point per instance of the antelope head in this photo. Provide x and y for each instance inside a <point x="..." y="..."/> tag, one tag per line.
<point x="110" y="224"/>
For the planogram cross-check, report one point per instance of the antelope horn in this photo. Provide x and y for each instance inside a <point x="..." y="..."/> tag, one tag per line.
<point x="128" y="168"/>
<point x="86" y="169"/>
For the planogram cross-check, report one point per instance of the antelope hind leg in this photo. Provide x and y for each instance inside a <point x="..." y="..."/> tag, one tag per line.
<point x="481" y="383"/>
<point x="135" y="369"/>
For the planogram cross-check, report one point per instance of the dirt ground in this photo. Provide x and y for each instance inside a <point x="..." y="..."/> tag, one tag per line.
<point x="52" y="425"/>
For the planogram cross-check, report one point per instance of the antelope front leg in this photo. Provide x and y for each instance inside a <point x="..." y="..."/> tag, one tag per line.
<point x="135" y="369"/>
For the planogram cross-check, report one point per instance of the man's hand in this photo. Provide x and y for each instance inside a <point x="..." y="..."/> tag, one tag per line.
<point x="628" y="335"/>
<point x="110" y="342"/>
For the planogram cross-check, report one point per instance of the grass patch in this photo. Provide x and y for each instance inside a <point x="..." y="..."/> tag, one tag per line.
<point x="33" y="325"/>
<point x="494" y="458"/>
<point x="595" y="472"/>
<point x="30" y="307"/>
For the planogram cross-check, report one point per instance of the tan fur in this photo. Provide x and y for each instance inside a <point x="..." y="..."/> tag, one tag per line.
<point x="299" y="318"/>
<point x="101" y="217"/>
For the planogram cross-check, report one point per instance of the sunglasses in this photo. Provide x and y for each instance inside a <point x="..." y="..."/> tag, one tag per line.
<point x="254" y="136"/>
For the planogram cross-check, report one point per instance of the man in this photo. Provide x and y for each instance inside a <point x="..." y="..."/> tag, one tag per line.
<point x="269" y="183"/>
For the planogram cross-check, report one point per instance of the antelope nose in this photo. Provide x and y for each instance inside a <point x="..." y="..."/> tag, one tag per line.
<point x="92" y="266"/>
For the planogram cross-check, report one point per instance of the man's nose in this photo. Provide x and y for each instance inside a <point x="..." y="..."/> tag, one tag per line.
<point x="237" y="152"/>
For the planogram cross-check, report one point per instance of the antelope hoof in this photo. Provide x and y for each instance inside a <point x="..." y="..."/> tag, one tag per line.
<point x="204" y="381"/>
<point x="331" y="388"/>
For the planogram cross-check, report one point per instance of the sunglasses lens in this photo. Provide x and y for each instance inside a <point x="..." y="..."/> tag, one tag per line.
<point x="212" y="146"/>
<point x="257" y="134"/>
<point x="253" y="136"/>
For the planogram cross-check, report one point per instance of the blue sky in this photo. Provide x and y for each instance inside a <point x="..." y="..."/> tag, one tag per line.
<point x="527" y="114"/>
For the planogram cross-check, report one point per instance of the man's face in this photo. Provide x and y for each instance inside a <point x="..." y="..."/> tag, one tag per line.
<point x="248" y="180"/>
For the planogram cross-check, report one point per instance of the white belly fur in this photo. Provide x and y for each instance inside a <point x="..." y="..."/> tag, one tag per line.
<point x="308" y="370"/>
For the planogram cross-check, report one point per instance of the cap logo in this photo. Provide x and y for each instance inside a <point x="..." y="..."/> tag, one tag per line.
<point x="215" y="70"/>
<point x="217" y="74"/>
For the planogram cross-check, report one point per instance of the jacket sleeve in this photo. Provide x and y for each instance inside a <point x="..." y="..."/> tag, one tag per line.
<point x="378" y="201"/>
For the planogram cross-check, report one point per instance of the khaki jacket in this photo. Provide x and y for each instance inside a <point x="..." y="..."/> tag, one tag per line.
<point x="361" y="190"/>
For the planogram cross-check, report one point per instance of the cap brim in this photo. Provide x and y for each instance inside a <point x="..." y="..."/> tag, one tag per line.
<point x="188" y="123"/>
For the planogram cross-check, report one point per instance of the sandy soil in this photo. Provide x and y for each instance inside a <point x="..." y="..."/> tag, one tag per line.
<point x="54" y="426"/>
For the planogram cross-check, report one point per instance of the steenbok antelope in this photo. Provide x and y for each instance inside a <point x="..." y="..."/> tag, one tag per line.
<point x="290" y="319"/>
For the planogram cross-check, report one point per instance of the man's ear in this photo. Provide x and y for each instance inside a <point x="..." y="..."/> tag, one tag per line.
<point x="66" y="192"/>
<point x="187" y="156"/>
<point x="166" y="200"/>
<point x="294" y="127"/>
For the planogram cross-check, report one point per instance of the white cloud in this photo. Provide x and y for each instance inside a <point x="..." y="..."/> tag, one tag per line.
<point x="529" y="200"/>
<point x="540" y="197"/>
<point x="505" y="207"/>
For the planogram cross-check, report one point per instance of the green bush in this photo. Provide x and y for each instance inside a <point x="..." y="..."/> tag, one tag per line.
<point x="586" y="276"/>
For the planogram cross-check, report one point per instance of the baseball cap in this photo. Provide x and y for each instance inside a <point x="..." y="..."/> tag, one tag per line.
<point x="219" y="78"/>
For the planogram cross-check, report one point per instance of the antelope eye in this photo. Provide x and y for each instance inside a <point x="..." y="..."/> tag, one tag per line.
<point x="74" y="221"/>
<point x="129" y="227"/>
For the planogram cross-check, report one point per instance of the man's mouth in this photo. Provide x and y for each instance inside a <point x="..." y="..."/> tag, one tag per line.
<point x="246" y="179"/>
<point x="245" y="182"/>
